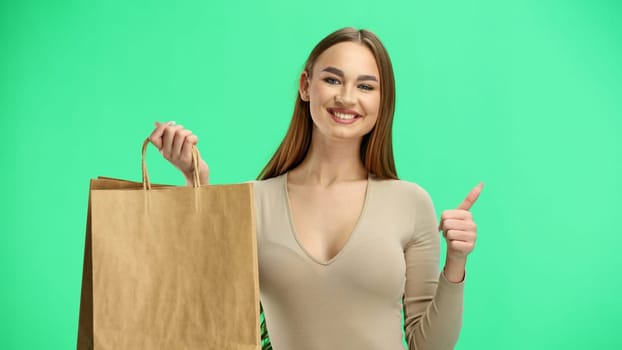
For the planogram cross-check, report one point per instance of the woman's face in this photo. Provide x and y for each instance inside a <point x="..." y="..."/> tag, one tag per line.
<point x="343" y="91"/>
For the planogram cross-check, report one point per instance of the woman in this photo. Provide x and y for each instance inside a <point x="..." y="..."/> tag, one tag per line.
<point x="344" y="246"/>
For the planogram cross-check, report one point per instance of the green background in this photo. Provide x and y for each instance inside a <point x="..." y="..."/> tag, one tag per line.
<point x="523" y="95"/>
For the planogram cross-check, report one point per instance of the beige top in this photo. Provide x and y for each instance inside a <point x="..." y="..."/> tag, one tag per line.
<point x="354" y="301"/>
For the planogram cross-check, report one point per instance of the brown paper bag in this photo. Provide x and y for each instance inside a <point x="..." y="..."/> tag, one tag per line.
<point x="169" y="267"/>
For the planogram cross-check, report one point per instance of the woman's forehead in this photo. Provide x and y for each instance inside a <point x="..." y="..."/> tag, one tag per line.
<point x="350" y="57"/>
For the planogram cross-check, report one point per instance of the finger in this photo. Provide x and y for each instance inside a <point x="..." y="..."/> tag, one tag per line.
<point x="167" y="140"/>
<point x="459" y="235"/>
<point x="460" y="246"/>
<point x="193" y="139"/>
<point x="471" y="197"/>
<point x="456" y="214"/>
<point x="178" y="142"/>
<point x="186" y="151"/>
<point x="156" y="136"/>
<point x="454" y="224"/>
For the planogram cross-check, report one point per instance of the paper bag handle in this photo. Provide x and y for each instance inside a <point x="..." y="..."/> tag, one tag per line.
<point x="196" y="182"/>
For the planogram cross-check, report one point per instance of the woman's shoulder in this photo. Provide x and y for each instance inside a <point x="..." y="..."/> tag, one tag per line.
<point x="394" y="189"/>
<point x="271" y="185"/>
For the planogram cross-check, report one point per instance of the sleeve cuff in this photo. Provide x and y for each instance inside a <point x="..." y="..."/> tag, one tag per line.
<point x="443" y="280"/>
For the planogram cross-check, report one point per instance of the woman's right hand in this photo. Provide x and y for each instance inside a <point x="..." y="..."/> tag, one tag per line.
<point x="175" y="144"/>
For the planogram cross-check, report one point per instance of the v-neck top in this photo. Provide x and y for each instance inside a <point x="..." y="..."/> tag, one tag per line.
<point x="293" y="227"/>
<point x="355" y="300"/>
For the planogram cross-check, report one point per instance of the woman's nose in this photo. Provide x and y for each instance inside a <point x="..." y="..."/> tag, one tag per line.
<point x="344" y="96"/>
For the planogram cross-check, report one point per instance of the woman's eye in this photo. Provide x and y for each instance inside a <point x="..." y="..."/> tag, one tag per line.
<point x="366" y="87"/>
<point x="331" y="81"/>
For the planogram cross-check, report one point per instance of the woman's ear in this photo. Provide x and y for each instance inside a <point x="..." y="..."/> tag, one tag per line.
<point x="303" y="86"/>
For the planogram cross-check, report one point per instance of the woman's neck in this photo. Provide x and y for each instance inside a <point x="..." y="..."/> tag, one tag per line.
<point x="329" y="161"/>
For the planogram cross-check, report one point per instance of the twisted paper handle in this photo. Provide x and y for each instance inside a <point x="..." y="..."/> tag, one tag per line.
<point x="196" y="182"/>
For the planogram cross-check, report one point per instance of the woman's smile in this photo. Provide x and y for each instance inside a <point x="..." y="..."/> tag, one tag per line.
<point x="343" y="116"/>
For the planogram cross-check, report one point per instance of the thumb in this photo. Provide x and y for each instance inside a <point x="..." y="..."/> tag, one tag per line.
<point x="470" y="199"/>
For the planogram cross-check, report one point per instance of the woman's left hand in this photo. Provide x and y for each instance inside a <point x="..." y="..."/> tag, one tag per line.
<point x="459" y="229"/>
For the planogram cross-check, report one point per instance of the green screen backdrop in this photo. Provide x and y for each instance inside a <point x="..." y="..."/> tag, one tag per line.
<point x="522" y="95"/>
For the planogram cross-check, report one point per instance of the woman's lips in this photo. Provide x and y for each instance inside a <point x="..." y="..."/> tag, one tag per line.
<point x="344" y="116"/>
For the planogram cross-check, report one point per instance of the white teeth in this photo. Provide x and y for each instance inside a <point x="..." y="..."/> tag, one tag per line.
<point x="344" y="116"/>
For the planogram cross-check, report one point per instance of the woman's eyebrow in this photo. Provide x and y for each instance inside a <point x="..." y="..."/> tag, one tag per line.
<point x="339" y="73"/>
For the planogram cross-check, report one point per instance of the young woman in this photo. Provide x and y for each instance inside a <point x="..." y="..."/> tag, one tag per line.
<point x="344" y="246"/>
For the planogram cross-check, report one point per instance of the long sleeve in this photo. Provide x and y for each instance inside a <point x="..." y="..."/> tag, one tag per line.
<point x="432" y="305"/>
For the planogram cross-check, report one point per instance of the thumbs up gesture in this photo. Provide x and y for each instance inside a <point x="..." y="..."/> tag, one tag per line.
<point x="459" y="229"/>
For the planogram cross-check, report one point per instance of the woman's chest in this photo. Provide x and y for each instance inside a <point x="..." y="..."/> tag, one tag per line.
<point x="370" y="262"/>
<point x="370" y="265"/>
<point x="324" y="219"/>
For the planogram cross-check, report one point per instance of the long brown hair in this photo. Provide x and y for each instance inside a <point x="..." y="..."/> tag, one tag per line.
<point x="376" y="146"/>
